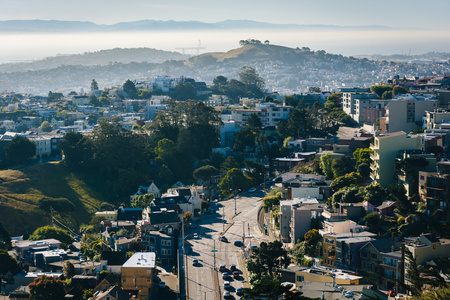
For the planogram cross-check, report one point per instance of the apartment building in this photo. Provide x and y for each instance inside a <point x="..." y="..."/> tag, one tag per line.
<point x="362" y="106"/>
<point x="137" y="273"/>
<point x="269" y="114"/>
<point x="434" y="189"/>
<point x="385" y="151"/>
<point x="406" y="112"/>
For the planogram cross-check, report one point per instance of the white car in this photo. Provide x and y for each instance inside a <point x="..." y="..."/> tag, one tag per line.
<point x="349" y="294"/>
<point x="195" y="236"/>
<point x="226" y="285"/>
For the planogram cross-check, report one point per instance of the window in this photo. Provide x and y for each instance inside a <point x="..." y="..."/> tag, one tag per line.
<point x="300" y="278"/>
<point x="373" y="256"/>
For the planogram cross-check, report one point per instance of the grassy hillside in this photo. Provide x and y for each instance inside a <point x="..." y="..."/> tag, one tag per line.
<point x="20" y="191"/>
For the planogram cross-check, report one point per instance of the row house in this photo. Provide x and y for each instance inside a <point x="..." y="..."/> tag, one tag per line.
<point x="162" y="243"/>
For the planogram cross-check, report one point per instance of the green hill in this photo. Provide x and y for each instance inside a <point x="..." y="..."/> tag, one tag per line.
<point x="21" y="190"/>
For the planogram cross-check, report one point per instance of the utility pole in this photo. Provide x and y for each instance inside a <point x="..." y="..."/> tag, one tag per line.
<point x="214" y="266"/>
<point x="223" y="217"/>
<point x="51" y="214"/>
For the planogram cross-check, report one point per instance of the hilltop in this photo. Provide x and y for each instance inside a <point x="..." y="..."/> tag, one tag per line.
<point x="21" y="190"/>
<point x="252" y="53"/>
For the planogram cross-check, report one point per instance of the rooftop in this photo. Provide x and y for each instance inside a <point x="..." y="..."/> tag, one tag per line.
<point x="141" y="260"/>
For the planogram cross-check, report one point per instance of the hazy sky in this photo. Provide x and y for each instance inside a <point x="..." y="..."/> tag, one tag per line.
<point x="431" y="14"/>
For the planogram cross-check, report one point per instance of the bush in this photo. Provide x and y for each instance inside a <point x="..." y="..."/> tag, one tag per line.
<point x="62" y="205"/>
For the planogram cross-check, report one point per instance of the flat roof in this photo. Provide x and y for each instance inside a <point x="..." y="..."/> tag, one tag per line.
<point x="141" y="260"/>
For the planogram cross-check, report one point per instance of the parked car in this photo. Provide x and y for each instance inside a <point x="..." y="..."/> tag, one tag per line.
<point x="225" y="275"/>
<point x="401" y="297"/>
<point x="392" y="293"/>
<point x="226" y="295"/>
<point x="252" y="190"/>
<point x="226" y="285"/>
<point x="238" y="243"/>
<point x="349" y="294"/>
<point x="233" y="267"/>
<point x="239" y="291"/>
<point x="195" y="236"/>
<point x="222" y="268"/>
<point x="254" y="247"/>
<point x="236" y="274"/>
<point x="223" y="239"/>
<point x="192" y="226"/>
<point x="162" y="284"/>
<point x="195" y="262"/>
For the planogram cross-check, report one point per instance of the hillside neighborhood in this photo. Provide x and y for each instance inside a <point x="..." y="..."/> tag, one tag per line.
<point x="173" y="188"/>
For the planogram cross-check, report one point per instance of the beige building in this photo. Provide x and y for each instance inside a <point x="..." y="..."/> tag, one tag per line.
<point x="320" y="274"/>
<point x="437" y="119"/>
<point x="405" y="112"/>
<point x="137" y="273"/>
<point x="386" y="149"/>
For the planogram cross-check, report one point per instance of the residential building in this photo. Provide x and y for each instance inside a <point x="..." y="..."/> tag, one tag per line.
<point x="319" y="274"/>
<point x="305" y="187"/>
<point x="391" y="268"/>
<point x="342" y="249"/>
<point x="371" y="256"/>
<point x="341" y="226"/>
<point x="385" y="151"/>
<point x="284" y="164"/>
<point x="437" y="119"/>
<point x="302" y="217"/>
<point x="269" y="114"/>
<point x="137" y="273"/>
<point x="434" y="189"/>
<point x="286" y="212"/>
<point x="43" y="145"/>
<point x="110" y="215"/>
<point x="383" y="208"/>
<point x="25" y="248"/>
<point x="362" y="106"/>
<point x="405" y="112"/>
<point x="129" y="214"/>
<point x="161" y="242"/>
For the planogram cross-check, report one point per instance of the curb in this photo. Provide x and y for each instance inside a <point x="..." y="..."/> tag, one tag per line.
<point x="229" y="224"/>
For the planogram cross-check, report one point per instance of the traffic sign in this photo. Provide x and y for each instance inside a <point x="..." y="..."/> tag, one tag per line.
<point x="214" y="250"/>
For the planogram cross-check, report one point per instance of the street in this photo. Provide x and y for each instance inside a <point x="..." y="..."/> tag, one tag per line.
<point x="203" y="281"/>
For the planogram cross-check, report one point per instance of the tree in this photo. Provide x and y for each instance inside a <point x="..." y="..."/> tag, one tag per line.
<point x="399" y="90"/>
<point x="48" y="232"/>
<point x="254" y="84"/>
<point x="234" y="180"/>
<point x="267" y="259"/>
<point x="353" y="178"/>
<point x="375" y="192"/>
<point x="68" y="270"/>
<point x="273" y="289"/>
<point x="61" y="205"/>
<point x="228" y="164"/>
<point x="386" y="95"/>
<point x="255" y="171"/>
<point x="244" y="138"/>
<point x="19" y="150"/>
<point x="220" y="85"/>
<point x="184" y="91"/>
<point x="142" y="201"/>
<point x="187" y="217"/>
<point x="371" y="220"/>
<point x="130" y="89"/>
<point x="313" y="242"/>
<point x="104" y="98"/>
<point x="254" y="123"/>
<point x="94" y="85"/>
<point x="7" y="263"/>
<point x="46" y="126"/>
<point x="380" y="89"/>
<point x="314" y="89"/>
<point x="362" y="156"/>
<point x="46" y="287"/>
<point x="93" y="100"/>
<point x="77" y="150"/>
<point x="326" y="163"/>
<point x="342" y="165"/>
<point x="206" y="173"/>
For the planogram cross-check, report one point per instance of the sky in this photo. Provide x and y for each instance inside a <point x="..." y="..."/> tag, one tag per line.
<point x="431" y="14"/>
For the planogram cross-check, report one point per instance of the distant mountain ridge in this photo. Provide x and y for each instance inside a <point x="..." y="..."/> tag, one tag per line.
<point x="30" y="26"/>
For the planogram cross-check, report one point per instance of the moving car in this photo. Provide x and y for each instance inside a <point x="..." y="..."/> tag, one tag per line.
<point x="223" y="238"/>
<point x="162" y="284"/>
<point x="238" y="243"/>
<point x="349" y="294"/>
<point x="195" y="262"/>
<point x="253" y="189"/>
<point x="195" y="236"/>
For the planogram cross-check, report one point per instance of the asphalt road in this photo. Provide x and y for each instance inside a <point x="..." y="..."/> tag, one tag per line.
<point x="203" y="281"/>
